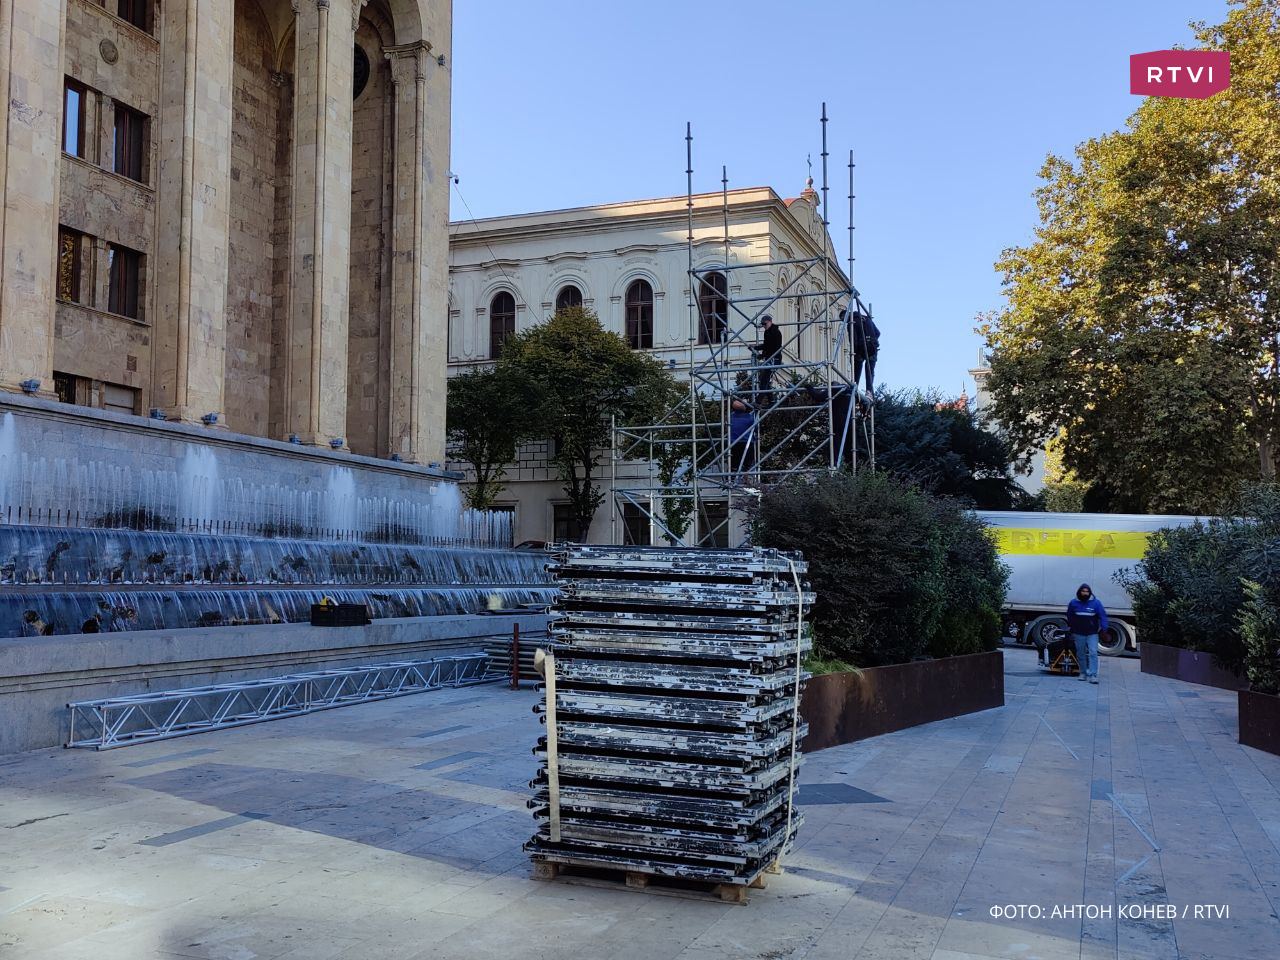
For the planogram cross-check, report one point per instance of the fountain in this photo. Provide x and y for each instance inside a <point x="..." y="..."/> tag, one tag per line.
<point x="198" y="489"/>
<point x="91" y="545"/>
<point x="9" y="473"/>
<point x="340" y="500"/>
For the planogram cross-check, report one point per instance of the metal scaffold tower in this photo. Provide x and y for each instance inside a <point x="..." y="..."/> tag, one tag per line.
<point x="755" y="413"/>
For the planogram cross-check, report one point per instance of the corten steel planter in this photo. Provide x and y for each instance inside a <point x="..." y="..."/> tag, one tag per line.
<point x="1190" y="666"/>
<point x="1260" y="720"/>
<point x="844" y="707"/>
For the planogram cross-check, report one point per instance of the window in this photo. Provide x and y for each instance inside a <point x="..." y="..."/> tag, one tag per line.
<point x="713" y="307"/>
<point x="134" y="11"/>
<point x="713" y="524"/>
<point x="124" y="268"/>
<point x="640" y="315"/>
<point x="569" y="296"/>
<point x="70" y="259"/>
<point x="119" y="399"/>
<point x="70" y="388"/>
<point x="129" y="142"/>
<point x="502" y="322"/>
<point x="87" y="392"/>
<point x="74" y="97"/>
<point x="635" y="526"/>
<point x="564" y="525"/>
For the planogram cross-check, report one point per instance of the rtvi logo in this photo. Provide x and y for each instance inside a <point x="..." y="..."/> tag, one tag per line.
<point x="1187" y="74"/>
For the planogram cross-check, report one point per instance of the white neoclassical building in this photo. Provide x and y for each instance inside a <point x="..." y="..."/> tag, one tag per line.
<point x="629" y="263"/>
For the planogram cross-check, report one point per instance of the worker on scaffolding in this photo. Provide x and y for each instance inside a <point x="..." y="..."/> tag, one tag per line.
<point x="770" y="354"/>
<point x="742" y="437"/>
<point x="865" y="336"/>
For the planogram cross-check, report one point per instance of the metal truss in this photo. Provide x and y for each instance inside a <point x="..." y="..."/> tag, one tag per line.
<point x="121" y="721"/>
<point x="810" y="416"/>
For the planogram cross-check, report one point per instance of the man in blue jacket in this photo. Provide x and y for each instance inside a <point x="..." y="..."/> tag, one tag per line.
<point x="1085" y="619"/>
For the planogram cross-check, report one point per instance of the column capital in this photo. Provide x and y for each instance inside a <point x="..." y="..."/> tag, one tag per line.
<point x="408" y="56"/>
<point x="356" y="6"/>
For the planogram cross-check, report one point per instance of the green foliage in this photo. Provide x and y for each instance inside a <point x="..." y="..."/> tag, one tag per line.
<point x="897" y="571"/>
<point x="584" y="376"/>
<point x="1145" y="317"/>
<point x="672" y="460"/>
<point x="1064" y="492"/>
<point x="1188" y="590"/>
<point x="819" y="665"/>
<point x="926" y="441"/>
<point x="976" y="582"/>
<point x="488" y="414"/>
<point x="1260" y="633"/>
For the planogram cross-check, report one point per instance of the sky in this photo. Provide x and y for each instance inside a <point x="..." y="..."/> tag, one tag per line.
<point x="949" y="107"/>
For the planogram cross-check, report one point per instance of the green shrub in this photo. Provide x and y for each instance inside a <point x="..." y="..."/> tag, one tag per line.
<point x="1260" y="634"/>
<point x="898" y="573"/>
<point x="976" y="582"/>
<point x="1188" y="590"/>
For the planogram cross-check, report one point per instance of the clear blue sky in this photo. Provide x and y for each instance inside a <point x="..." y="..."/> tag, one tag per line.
<point x="949" y="106"/>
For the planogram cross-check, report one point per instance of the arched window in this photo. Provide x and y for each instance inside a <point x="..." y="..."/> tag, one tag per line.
<point x="569" y="296"/>
<point x="502" y="322"/>
<point x="713" y="307"/>
<point x="639" y="304"/>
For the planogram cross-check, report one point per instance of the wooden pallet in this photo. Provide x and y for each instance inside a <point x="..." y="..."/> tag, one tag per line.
<point x="735" y="893"/>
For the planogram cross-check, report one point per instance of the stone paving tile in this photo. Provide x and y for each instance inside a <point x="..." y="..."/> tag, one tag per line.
<point x="395" y="829"/>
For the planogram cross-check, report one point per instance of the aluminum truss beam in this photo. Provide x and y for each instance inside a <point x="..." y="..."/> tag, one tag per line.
<point x="121" y="721"/>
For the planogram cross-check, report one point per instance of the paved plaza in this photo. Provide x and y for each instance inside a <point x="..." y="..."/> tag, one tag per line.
<point x="394" y="830"/>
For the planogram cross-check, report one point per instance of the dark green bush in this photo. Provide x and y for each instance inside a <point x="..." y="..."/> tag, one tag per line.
<point x="976" y="582"/>
<point x="898" y="573"/>
<point x="1260" y="634"/>
<point x="1189" y="588"/>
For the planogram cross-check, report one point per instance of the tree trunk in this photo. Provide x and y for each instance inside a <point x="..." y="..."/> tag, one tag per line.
<point x="1266" y="459"/>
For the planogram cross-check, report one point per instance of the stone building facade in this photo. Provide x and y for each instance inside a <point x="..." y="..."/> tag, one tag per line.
<point x="629" y="262"/>
<point x="231" y="212"/>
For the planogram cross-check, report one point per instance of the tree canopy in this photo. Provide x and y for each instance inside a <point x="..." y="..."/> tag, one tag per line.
<point x="586" y="375"/>
<point x="490" y="412"/>
<point x="941" y="448"/>
<point x="1144" y="319"/>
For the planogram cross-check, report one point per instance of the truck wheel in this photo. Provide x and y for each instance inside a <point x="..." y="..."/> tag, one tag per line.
<point x="1114" y="640"/>
<point x="1045" y="630"/>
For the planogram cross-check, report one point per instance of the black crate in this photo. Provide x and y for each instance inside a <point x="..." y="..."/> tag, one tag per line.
<point x="339" y="615"/>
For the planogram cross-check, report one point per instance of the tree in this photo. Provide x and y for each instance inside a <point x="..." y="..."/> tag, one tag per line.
<point x="488" y="414"/>
<point x="1063" y="491"/>
<point x="1145" y="316"/>
<point x="586" y="375"/>
<point x="943" y="449"/>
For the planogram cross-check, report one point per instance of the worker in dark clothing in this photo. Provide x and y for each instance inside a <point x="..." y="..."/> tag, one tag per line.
<point x="865" y="336"/>
<point x="770" y="352"/>
<point x="742" y="435"/>
<point x="1086" y="618"/>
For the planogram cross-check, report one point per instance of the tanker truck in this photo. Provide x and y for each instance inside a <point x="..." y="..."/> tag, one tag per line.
<point x="1050" y="554"/>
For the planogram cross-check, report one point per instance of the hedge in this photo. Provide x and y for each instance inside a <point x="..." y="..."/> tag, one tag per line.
<point x="900" y="574"/>
<point x="1214" y="586"/>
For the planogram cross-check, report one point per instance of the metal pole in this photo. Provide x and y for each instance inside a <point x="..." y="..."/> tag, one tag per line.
<point x="826" y="300"/>
<point x="724" y="398"/>
<point x="613" y="478"/>
<point x="515" y="656"/>
<point x="853" y="342"/>
<point x="693" y="320"/>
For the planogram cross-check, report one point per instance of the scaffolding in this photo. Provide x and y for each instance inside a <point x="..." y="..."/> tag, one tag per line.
<point x="750" y="420"/>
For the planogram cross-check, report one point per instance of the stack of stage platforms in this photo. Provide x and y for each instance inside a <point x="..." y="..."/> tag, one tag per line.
<point x="672" y="709"/>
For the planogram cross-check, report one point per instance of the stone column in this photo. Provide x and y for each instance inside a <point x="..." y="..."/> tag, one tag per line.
<point x="319" y="278"/>
<point x="31" y="33"/>
<point x="189" y="267"/>
<point x="420" y="244"/>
